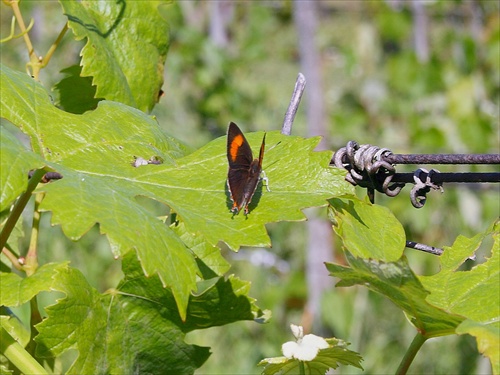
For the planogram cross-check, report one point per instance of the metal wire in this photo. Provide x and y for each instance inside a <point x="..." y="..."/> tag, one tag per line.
<point x="373" y="167"/>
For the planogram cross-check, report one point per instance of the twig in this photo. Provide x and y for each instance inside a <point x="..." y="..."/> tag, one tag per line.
<point x="430" y="249"/>
<point x="425" y="248"/>
<point x="300" y="85"/>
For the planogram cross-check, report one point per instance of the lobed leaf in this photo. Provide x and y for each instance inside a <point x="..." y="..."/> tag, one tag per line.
<point x="298" y="178"/>
<point x="127" y="44"/>
<point x="367" y="230"/>
<point x="396" y="281"/>
<point x="216" y="302"/>
<point x="137" y="327"/>
<point x="15" y="290"/>
<point x="208" y="257"/>
<point x="473" y="293"/>
<point x="94" y="152"/>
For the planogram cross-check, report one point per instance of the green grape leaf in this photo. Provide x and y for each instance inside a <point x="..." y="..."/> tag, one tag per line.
<point x="88" y="150"/>
<point x="396" y="281"/>
<point x="94" y="152"/>
<point x="127" y="44"/>
<point x="136" y="327"/>
<point x="472" y="294"/>
<point x="216" y="302"/>
<point x="15" y="163"/>
<point x="367" y="230"/>
<point x="298" y="178"/>
<point x="208" y="257"/>
<point x="15" y="290"/>
<point x="326" y="359"/>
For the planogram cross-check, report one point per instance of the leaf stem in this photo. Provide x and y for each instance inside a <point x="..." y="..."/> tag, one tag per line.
<point x="19" y="207"/>
<point x="36" y="63"/>
<point x="14" y="259"/>
<point x="34" y="59"/>
<point x="32" y="256"/>
<point x="412" y="351"/>
<point x="17" y="355"/>
<point x="302" y="369"/>
<point x="30" y="267"/>
<point x="54" y="45"/>
<point x="17" y="12"/>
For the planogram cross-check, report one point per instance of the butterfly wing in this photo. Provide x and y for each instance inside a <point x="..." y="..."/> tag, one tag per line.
<point x="237" y="181"/>
<point x="239" y="153"/>
<point x="244" y="172"/>
<point x="261" y="153"/>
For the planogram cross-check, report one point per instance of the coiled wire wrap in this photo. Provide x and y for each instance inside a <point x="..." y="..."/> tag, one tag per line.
<point x="367" y="168"/>
<point x="423" y="184"/>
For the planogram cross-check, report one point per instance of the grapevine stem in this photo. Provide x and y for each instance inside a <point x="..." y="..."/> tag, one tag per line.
<point x="36" y="63"/>
<point x="412" y="351"/>
<point x="19" y="207"/>
<point x="17" y="355"/>
<point x="22" y="26"/>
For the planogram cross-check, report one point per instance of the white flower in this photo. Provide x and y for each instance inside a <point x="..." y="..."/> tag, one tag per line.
<point x="306" y="347"/>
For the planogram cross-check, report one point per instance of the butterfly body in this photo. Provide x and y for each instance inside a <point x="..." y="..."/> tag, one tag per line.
<point x="244" y="171"/>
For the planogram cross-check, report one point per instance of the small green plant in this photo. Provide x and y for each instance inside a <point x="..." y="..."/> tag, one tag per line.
<point x="310" y="354"/>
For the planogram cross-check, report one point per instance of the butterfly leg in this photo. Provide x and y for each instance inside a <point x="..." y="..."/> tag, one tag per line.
<point x="265" y="180"/>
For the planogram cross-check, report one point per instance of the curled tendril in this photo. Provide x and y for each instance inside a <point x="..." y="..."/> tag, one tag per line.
<point x="12" y="28"/>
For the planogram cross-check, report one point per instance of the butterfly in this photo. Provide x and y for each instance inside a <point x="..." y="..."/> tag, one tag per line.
<point x="244" y="171"/>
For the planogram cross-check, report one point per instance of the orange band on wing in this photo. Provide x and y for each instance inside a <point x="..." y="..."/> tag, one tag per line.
<point x="235" y="146"/>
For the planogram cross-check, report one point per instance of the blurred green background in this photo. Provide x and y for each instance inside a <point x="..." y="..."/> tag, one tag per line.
<point x="389" y="77"/>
